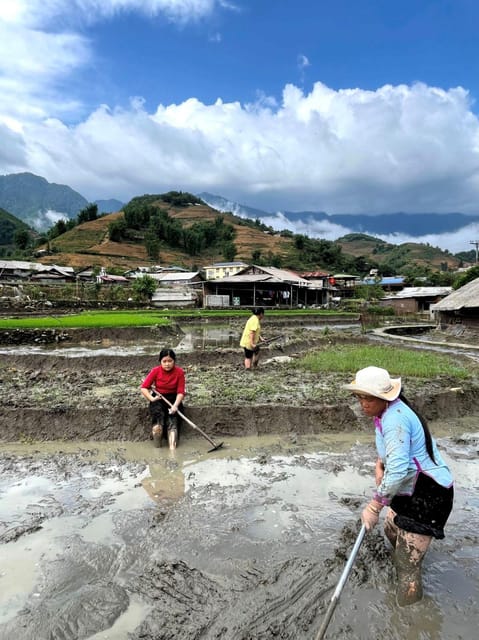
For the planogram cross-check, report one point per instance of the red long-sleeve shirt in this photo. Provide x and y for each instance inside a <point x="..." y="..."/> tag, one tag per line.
<point x="165" y="382"/>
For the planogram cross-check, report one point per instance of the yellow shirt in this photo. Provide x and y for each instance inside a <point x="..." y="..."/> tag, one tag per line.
<point x="253" y="324"/>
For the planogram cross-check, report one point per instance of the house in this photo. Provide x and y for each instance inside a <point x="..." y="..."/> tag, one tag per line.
<point x="259" y="286"/>
<point x="106" y="278"/>
<point x="87" y="274"/>
<point x="459" y="307"/>
<point x="415" y="299"/>
<point x="52" y="274"/>
<point x="320" y="290"/>
<point x="109" y="279"/>
<point x="223" y="269"/>
<point x="175" y="279"/>
<point x="20" y="270"/>
<point x="174" y="297"/>
<point x="153" y="271"/>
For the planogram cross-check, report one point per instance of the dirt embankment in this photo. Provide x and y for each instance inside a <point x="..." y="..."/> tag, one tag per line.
<point x="45" y="397"/>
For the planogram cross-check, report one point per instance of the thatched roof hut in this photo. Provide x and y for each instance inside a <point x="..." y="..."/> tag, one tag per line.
<point x="460" y="306"/>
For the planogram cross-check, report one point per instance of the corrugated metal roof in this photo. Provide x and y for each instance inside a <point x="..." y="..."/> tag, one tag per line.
<point x="467" y="297"/>
<point x="168" y="277"/>
<point x="281" y="275"/>
<point x="257" y="277"/>
<point x="219" y="265"/>
<point x="387" y="280"/>
<point x="419" y="292"/>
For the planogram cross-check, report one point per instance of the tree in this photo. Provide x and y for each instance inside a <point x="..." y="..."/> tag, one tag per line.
<point x="467" y="276"/>
<point x="21" y="238"/>
<point x="152" y="245"/>
<point x="90" y="212"/>
<point x="229" y="251"/>
<point x="117" y="230"/>
<point x="144" y="287"/>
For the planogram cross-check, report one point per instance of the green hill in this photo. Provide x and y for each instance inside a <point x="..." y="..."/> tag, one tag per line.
<point x="9" y="225"/>
<point x="189" y="233"/>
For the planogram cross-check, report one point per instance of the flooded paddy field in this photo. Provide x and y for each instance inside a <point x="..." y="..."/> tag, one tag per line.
<point x="122" y="541"/>
<point x="103" y="537"/>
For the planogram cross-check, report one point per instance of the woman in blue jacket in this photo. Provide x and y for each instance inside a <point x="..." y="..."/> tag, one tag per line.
<point x="412" y="479"/>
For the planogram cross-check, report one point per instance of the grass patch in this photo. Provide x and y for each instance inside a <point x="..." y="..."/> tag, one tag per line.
<point x="85" y="320"/>
<point x="399" y="362"/>
<point x="135" y="318"/>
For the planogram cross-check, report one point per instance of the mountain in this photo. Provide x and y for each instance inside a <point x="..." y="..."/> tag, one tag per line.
<point x="223" y="204"/>
<point x="412" y="224"/>
<point x="9" y="225"/>
<point x="109" y="206"/>
<point x="89" y="244"/>
<point x="37" y="202"/>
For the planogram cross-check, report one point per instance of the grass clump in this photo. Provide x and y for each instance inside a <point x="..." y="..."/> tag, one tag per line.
<point x="399" y="362"/>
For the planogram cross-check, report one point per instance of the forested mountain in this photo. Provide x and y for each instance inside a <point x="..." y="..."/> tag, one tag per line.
<point x="9" y="227"/>
<point x="30" y="197"/>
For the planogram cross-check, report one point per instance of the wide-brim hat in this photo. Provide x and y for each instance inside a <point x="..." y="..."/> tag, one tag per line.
<point x="376" y="382"/>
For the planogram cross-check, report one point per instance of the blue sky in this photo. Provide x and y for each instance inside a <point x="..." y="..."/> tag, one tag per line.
<point x="343" y="107"/>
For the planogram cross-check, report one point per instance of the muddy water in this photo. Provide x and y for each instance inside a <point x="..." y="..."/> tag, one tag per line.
<point x="124" y="541"/>
<point x="188" y="339"/>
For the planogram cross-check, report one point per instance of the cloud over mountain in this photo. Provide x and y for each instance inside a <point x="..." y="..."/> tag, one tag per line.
<point x="395" y="148"/>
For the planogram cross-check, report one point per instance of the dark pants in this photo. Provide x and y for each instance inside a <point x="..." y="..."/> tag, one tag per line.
<point x="159" y="415"/>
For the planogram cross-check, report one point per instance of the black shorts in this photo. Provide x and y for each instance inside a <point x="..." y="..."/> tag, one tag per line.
<point x="427" y="510"/>
<point x="249" y="353"/>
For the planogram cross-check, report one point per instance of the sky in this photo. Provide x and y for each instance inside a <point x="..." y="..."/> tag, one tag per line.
<point x="344" y="107"/>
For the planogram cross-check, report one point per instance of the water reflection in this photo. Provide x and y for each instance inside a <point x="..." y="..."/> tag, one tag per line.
<point x="193" y="338"/>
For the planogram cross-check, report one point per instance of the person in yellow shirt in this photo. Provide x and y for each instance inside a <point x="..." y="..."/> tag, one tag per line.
<point x="251" y="337"/>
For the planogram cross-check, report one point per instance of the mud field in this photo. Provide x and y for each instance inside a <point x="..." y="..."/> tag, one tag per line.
<point x="104" y="537"/>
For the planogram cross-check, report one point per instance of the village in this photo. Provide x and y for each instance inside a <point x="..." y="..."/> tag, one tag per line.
<point x="226" y="285"/>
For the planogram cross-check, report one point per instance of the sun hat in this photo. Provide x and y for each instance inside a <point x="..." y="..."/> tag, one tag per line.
<point x="376" y="382"/>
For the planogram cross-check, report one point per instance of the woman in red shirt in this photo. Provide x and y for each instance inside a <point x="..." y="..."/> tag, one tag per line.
<point x="169" y="380"/>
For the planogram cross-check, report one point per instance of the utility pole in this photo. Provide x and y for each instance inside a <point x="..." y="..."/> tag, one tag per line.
<point x="476" y="244"/>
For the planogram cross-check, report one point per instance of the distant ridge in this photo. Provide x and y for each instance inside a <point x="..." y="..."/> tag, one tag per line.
<point x="411" y="224"/>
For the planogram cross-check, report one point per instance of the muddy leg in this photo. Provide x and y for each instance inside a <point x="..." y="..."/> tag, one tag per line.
<point x="410" y="551"/>
<point x="156" y="433"/>
<point x="172" y="432"/>
<point x="390" y="529"/>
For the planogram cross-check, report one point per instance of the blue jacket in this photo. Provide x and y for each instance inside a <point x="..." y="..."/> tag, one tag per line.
<point x="401" y="445"/>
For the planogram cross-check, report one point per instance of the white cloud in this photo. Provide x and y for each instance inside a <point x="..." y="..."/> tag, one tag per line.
<point x="455" y="241"/>
<point x="303" y="61"/>
<point x="398" y="148"/>
<point x="395" y="149"/>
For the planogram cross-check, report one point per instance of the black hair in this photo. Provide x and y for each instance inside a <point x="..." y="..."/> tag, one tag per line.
<point x="167" y="352"/>
<point x="257" y="311"/>
<point x="427" y="433"/>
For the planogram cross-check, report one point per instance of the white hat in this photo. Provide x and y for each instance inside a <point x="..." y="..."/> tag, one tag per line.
<point x="376" y="382"/>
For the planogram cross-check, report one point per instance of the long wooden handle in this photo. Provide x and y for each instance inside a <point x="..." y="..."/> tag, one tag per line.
<point x="190" y="422"/>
